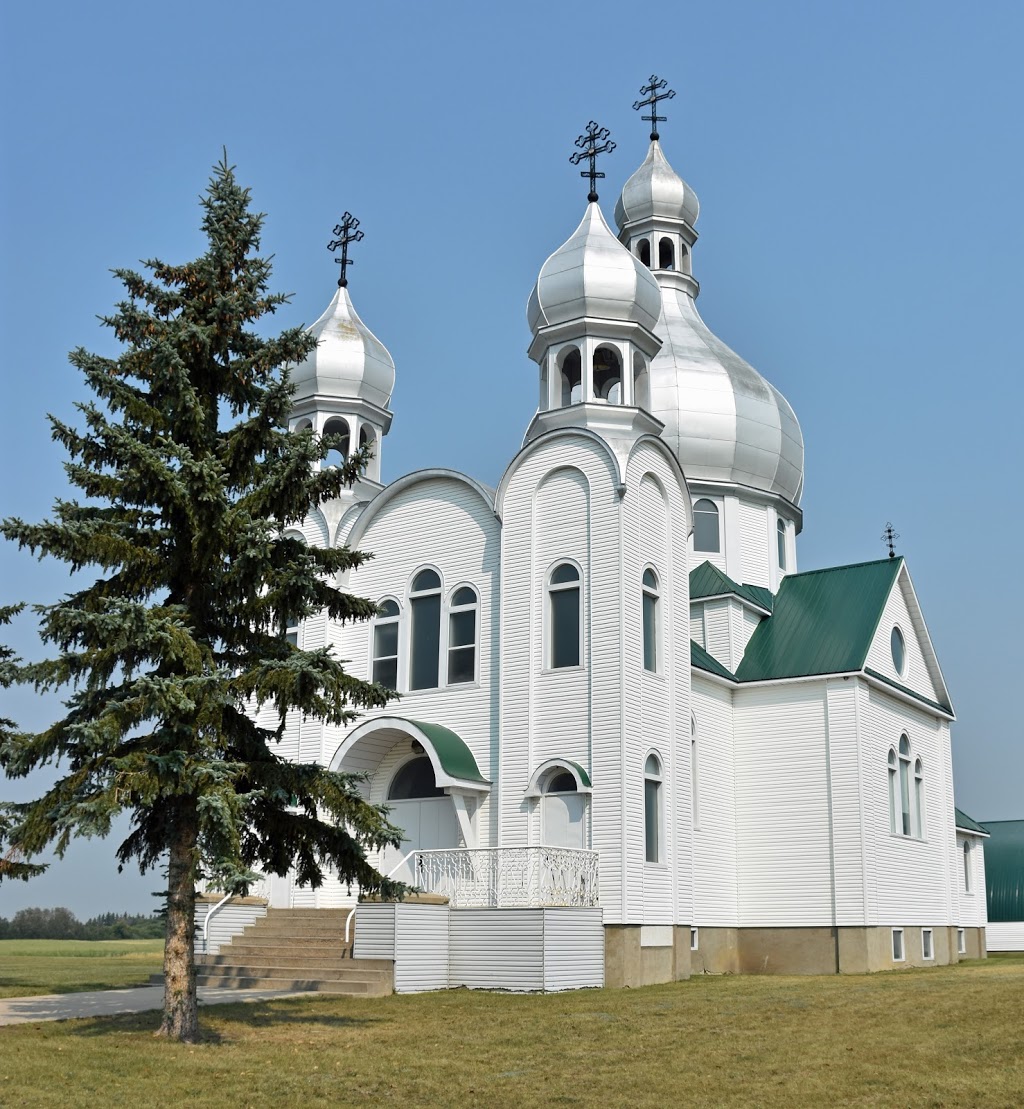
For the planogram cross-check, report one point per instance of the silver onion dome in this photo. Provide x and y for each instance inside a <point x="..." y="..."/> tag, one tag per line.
<point x="593" y="275"/>
<point x="656" y="191"/>
<point x="724" y="421"/>
<point x="349" y="362"/>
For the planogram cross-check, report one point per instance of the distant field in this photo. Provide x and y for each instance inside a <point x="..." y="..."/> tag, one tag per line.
<point x="944" y="1037"/>
<point x="68" y="966"/>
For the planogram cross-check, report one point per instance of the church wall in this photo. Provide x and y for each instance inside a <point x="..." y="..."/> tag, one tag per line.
<point x="915" y="675"/>
<point x="845" y="770"/>
<point x="718" y="631"/>
<point x="910" y="877"/>
<point x="697" y="625"/>
<point x="743" y="623"/>
<point x="973" y="911"/>
<point x="782" y="806"/>
<point x="714" y="835"/>
<point x="754" y="544"/>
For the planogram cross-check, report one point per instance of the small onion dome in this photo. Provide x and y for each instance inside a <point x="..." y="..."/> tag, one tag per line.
<point x="593" y="275"/>
<point x="723" y="420"/>
<point x="350" y="362"/>
<point x="656" y="191"/>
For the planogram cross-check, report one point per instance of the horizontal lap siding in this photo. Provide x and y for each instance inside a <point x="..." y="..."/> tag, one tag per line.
<point x="910" y="877"/>
<point x="845" y="777"/>
<point x="496" y="949"/>
<point x="973" y="911"/>
<point x="421" y="948"/>
<point x="754" y="539"/>
<point x="718" y="632"/>
<point x="375" y="932"/>
<point x="573" y="949"/>
<point x="1005" y="936"/>
<point x="782" y="807"/>
<point x="915" y="675"/>
<point x="714" y="839"/>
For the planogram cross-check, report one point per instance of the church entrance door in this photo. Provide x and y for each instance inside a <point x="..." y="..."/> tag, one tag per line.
<point x="425" y="814"/>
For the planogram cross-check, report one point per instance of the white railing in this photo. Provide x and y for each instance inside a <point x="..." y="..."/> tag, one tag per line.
<point x="510" y="877"/>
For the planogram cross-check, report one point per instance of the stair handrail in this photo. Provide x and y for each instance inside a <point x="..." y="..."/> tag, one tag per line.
<point x="206" y="921"/>
<point x="390" y="874"/>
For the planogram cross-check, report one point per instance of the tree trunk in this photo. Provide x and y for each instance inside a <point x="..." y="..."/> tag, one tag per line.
<point x="181" y="1009"/>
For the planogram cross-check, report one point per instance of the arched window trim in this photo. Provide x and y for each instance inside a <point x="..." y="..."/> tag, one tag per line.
<point x="968" y="876"/>
<point x="415" y="756"/>
<point x="654" y="809"/>
<point x="896" y="634"/>
<point x="570" y="380"/>
<point x="472" y="648"/>
<point x="606" y="391"/>
<point x="666" y="253"/>
<point x="643" y="252"/>
<point x="416" y="612"/>
<point x="894" y="803"/>
<point x="549" y="617"/>
<point x="375" y="657"/>
<point x="651" y="619"/>
<point x="918" y="802"/>
<point x="553" y="767"/>
<point x="905" y="771"/>
<point x="717" y="548"/>
<point x="342" y="428"/>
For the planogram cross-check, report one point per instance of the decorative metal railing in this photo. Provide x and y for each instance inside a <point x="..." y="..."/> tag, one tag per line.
<point x="510" y="877"/>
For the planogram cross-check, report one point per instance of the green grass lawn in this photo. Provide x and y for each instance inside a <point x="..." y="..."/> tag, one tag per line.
<point x="68" y="966"/>
<point x="945" y="1036"/>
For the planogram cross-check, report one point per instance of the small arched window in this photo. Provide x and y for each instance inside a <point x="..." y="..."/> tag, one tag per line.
<point x="643" y="250"/>
<point x="572" y="378"/>
<point x="899" y="650"/>
<point x="337" y="430"/>
<point x="666" y="255"/>
<point x="904" y="785"/>
<point x="652" y="809"/>
<point x="651" y="602"/>
<point x="564" y="612"/>
<point x="415" y="780"/>
<point x="462" y="631"/>
<point x="424" y="630"/>
<point x="894" y="793"/>
<point x="967" y="867"/>
<point x="706" y="533"/>
<point x="918" y="799"/>
<point x="385" y="644"/>
<point x="563" y="810"/>
<point x="607" y="375"/>
<point x="780" y="537"/>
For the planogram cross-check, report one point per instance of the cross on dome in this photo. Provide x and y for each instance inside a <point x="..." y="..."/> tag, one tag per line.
<point x="654" y="94"/>
<point x="347" y="232"/>
<point x="594" y="141"/>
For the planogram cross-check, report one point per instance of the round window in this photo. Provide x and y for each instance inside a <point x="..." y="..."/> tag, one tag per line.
<point x="899" y="650"/>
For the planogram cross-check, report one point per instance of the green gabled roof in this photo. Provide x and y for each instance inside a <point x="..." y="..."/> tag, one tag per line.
<point x="708" y="581"/>
<point x="703" y="661"/>
<point x="822" y="622"/>
<point x="965" y="822"/>
<point x="1004" y="869"/>
<point x="455" y="757"/>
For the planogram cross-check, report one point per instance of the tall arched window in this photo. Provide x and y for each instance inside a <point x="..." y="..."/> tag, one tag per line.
<point x="572" y="377"/>
<point x="337" y="429"/>
<point x="967" y="867"/>
<point x="918" y="799"/>
<point x="424" y="630"/>
<point x="651" y="602"/>
<point x="894" y="793"/>
<point x="652" y="809"/>
<point x="385" y="644"/>
<point x="564" y="626"/>
<point x="706" y="532"/>
<point x="780" y="537"/>
<point x="462" y="631"/>
<point x="666" y="255"/>
<point x="607" y="375"/>
<point x="904" y="785"/>
<point x="643" y="250"/>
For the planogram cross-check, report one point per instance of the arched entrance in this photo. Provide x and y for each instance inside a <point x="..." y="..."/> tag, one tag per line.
<point x="423" y="811"/>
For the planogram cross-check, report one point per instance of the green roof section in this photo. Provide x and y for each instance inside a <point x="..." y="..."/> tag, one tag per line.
<point x="822" y="622"/>
<point x="1004" y="869"/>
<point x="708" y="581"/>
<point x="908" y="691"/>
<point x="455" y="757"/>
<point x="703" y="661"/>
<point x="967" y="824"/>
<point x="584" y="776"/>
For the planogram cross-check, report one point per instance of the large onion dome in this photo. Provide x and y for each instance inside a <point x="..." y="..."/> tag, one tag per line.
<point x="656" y="191"/>
<point x="349" y="362"/>
<point x="592" y="275"/>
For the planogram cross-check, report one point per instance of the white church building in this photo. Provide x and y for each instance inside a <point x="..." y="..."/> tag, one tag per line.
<point x="633" y="740"/>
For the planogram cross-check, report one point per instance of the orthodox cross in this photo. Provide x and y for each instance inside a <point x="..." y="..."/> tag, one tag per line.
<point x="593" y="142"/>
<point x="654" y="94"/>
<point x="889" y="537"/>
<point x="347" y="232"/>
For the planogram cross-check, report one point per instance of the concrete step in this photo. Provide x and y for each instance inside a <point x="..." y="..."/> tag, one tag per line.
<point x="375" y="984"/>
<point x="238" y="953"/>
<point x="353" y="971"/>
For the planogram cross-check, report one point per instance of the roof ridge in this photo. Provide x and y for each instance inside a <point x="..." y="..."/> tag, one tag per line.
<point x="845" y="566"/>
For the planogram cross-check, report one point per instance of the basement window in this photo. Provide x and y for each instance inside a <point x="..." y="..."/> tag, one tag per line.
<point x="897" y="945"/>
<point x="927" y="944"/>
<point x="694" y="939"/>
<point x="961" y="941"/>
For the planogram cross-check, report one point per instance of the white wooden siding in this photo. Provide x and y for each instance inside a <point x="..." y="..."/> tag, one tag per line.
<point x="972" y="904"/>
<point x="497" y="949"/>
<point x="718" y="631"/>
<point x="754" y="544"/>
<point x="1005" y="936"/>
<point x="697" y="625"/>
<point x="917" y="674"/>
<point x="843" y="757"/>
<point x="421" y="947"/>
<point x="374" y="931"/>
<point x="573" y="949"/>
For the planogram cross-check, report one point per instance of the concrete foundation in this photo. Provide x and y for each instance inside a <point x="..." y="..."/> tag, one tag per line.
<point x="630" y="959"/>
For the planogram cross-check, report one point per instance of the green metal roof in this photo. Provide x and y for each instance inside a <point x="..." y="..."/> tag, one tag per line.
<point x="965" y="822"/>
<point x="703" y="661"/>
<point x="1004" y="869"/>
<point x="455" y="757"/>
<point x="584" y="776"/>
<point x="708" y="581"/>
<point x="822" y="622"/>
<point x="909" y="692"/>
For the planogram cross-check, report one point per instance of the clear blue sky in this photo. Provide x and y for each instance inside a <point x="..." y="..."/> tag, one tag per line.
<point x="860" y="172"/>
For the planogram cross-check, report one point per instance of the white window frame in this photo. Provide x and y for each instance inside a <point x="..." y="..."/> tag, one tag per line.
<point x="782" y="544"/>
<point x="907" y="788"/>
<point x="449" y="608"/>
<point x="968" y="868"/>
<point x="374" y="624"/>
<point x="694" y="939"/>
<point x="549" y="624"/>
<point x="961" y="941"/>
<point x="694" y="773"/>
<point x="719" y="512"/>
<point x="927" y="945"/>
<point x="660" y="852"/>
<point x="410" y="645"/>
<point x="899" y="938"/>
<point x="655" y="593"/>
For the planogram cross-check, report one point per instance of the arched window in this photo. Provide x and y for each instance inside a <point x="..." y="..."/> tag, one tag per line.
<point x="904" y="785"/>
<point x="918" y="799"/>
<point x="462" y="625"/>
<point x="564" y="616"/>
<point x="415" y="780"/>
<point x="337" y="429"/>
<point x="706" y="535"/>
<point x="572" y="378"/>
<point x="666" y="255"/>
<point x="290" y="630"/>
<point x="424" y="630"/>
<point x="780" y="536"/>
<point x="652" y="809"/>
<point x="894" y="793"/>
<point x="651" y="600"/>
<point x="563" y="810"/>
<point x="607" y="375"/>
<point x="899" y="650"/>
<point x="302" y="425"/>
<point x="693" y="771"/>
<point x="643" y="251"/>
<point x="385" y="644"/>
<point x="967" y="867"/>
